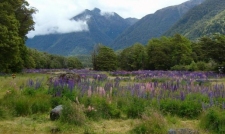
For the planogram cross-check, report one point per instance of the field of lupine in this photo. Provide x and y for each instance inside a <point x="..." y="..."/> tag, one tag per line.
<point x="136" y="102"/>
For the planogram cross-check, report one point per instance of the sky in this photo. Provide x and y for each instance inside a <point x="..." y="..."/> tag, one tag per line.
<point x="54" y="16"/>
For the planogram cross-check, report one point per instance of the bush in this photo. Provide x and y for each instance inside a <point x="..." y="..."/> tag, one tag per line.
<point x="190" y="109"/>
<point x="170" y="106"/>
<point x="2" y="113"/>
<point x="202" y="65"/>
<point x="73" y="113"/>
<point x="135" y="107"/>
<point x="40" y="104"/>
<point x="153" y="123"/>
<point x="22" y="106"/>
<point x="99" y="107"/>
<point x="214" y="121"/>
<point x="179" y="68"/>
<point x="187" y="108"/>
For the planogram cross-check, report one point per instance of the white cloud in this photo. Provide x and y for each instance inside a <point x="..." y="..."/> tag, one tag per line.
<point x="54" y="16"/>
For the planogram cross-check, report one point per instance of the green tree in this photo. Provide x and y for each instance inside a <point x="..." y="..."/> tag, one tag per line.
<point x="73" y="62"/>
<point x="16" y="21"/>
<point x="182" y="52"/>
<point x="133" y="58"/>
<point x="159" y="53"/>
<point x="214" y="47"/>
<point x="104" y="59"/>
<point x="9" y="37"/>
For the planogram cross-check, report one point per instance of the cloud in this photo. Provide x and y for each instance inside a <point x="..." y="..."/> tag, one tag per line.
<point x="55" y="16"/>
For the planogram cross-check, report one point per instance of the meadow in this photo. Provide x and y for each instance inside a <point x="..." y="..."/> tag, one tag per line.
<point x="137" y="102"/>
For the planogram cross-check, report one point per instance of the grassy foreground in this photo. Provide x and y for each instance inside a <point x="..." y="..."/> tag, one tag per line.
<point x="114" y="114"/>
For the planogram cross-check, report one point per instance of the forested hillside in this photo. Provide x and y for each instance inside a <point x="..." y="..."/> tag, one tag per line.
<point x="205" y="19"/>
<point x="153" y="25"/>
<point x="103" y="28"/>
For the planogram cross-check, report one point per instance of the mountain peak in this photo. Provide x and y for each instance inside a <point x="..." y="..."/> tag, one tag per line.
<point x="96" y="10"/>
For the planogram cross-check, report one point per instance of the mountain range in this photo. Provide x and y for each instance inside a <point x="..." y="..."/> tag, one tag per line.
<point x="192" y="19"/>
<point x="103" y="28"/>
<point x="153" y="25"/>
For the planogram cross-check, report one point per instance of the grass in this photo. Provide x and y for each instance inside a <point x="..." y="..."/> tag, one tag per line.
<point x="41" y="124"/>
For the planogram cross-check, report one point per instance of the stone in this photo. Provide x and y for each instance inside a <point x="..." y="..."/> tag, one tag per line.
<point x="55" y="112"/>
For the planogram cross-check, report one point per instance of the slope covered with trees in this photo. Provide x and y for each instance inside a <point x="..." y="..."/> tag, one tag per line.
<point x="153" y="25"/>
<point x="205" y="19"/>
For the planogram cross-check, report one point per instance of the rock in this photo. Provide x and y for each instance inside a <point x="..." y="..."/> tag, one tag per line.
<point x="55" y="113"/>
<point x="171" y="131"/>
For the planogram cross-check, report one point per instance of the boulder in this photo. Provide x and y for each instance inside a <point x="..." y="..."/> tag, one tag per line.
<point x="55" y="112"/>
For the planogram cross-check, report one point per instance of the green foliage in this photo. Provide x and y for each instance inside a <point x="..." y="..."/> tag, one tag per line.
<point x="133" y="58"/>
<point x="159" y="53"/>
<point x="73" y="62"/>
<point x="187" y="108"/>
<point x="167" y="52"/>
<point x="214" y="121"/>
<point x="40" y="104"/>
<point x="98" y="107"/>
<point x="135" y="108"/>
<point x="3" y="113"/>
<point x="153" y="25"/>
<point x="22" y="107"/>
<point x="214" y="47"/>
<point x="204" y="19"/>
<point x="153" y="123"/>
<point x="73" y="114"/>
<point x="48" y="61"/>
<point x="16" y="21"/>
<point x="104" y="59"/>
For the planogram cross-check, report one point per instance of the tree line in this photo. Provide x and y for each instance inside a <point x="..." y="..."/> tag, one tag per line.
<point x="43" y="60"/>
<point x="164" y="53"/>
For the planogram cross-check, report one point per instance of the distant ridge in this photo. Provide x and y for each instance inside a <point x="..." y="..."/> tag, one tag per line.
<point x="153" y="25"/>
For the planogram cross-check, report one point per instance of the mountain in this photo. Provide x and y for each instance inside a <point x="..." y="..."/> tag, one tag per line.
<point x="205" y="19"/>
<point x="131" y="21"/>
<point x="103" y="28"/>
<point x="153" y="25"/>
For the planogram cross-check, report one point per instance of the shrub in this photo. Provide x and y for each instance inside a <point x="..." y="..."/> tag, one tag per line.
<point x="99" y="107"/>
<point x="179" y="68"/>
<point x="214" y="121"/>
<point x="187" y="108"/>
<point x="2" y="113"/>
<point x="22" y="106"/>
<point x="193" y="66"/>
<point x="55" y="101"/>
<point x="73" y="113"/>
<point x="170" y="106"/>
<point x="135" y="107"/>
<point x="190" y="109"/>
<point x="201" y="65"/>
<point x="40" y="104"/>
<point x="153" y="123"/>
